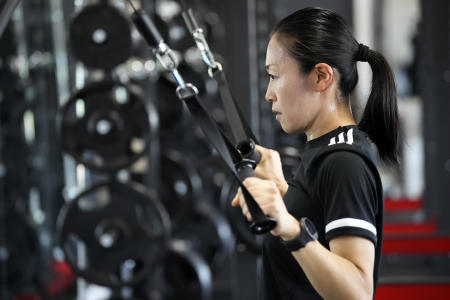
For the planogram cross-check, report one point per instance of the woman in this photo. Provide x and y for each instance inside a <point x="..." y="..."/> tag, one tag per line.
<point x="336" y="192"/>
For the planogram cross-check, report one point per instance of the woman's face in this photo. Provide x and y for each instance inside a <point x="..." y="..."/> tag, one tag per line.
<point x="291" y="93"/>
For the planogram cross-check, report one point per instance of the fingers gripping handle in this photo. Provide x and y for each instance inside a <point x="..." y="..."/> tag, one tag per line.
<point x="261" y="223"/>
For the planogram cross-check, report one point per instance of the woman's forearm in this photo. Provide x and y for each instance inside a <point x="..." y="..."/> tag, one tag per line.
<point x="333" y="276"/>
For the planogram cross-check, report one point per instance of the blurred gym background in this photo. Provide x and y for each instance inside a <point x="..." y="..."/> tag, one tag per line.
<point x="108" y="189"/>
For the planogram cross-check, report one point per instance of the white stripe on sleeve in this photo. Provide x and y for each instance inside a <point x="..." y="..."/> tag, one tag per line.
<point x="350" y="222"/>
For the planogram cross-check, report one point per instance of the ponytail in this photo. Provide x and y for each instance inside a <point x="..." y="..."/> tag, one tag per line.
<point x="380" y="116"/>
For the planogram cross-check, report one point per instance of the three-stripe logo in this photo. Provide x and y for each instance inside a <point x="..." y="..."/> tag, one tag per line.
<point x="343" y="137"/>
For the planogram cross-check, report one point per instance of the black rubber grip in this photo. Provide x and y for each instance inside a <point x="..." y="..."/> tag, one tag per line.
<point x="245" y="168"/>
<point x="255" y="156"/>
<point x="261" y="223"/>
<point x="248" y="151"/>
<point x="263" y="226"/>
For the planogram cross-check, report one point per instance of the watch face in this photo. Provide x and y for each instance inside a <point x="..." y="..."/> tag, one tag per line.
<point x="309" y="225"/>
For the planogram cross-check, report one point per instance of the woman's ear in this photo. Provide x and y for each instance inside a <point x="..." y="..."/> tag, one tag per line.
<point x="322" y="76"/>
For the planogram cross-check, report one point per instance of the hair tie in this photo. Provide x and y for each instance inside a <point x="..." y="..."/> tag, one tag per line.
<point x="363" y="53"/>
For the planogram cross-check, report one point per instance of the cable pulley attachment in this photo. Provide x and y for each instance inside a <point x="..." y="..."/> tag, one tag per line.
<point x="189" y="94"/>
<point x="240" y="129"/>
<point x="162" y="51"/>
<point x="199" y="38"/>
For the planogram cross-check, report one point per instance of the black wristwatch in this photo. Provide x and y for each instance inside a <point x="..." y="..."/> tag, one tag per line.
<point x="308" y="233"/>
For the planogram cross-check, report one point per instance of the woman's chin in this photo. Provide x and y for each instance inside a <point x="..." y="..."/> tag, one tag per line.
<point x="287" y="129"/>
<point x="290" y="129"/>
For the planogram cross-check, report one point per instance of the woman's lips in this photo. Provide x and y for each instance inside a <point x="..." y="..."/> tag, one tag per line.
<point x="277" y="115"/>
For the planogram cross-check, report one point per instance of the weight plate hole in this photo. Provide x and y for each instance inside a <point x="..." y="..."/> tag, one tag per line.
<point x="99" y="36"/>
<point x="80" y="108"/>
<point x="181" y="187"/>
<point x="137" y="145"/>
<point x="121" y="95"/>
<point x="103" y="127"/>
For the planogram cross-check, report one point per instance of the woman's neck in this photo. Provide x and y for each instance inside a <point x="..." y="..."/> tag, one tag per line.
<point x="332" y="116"/>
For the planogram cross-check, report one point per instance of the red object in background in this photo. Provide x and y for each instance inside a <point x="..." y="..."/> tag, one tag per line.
<point x="413" y="292"/>
<point x="417" y="245"/>
<point x="414" y="238"/>
<point x="402" y="204"/>
<point x="62" y="279"/>
<point x="410" y="228"/>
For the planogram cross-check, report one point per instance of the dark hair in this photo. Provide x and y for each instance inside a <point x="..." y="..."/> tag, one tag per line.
<point x="314" y="35"/>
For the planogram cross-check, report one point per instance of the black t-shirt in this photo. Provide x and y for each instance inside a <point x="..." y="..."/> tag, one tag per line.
<point x="338" y="187"/>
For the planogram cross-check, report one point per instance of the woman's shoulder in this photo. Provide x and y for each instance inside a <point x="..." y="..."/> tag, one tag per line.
<point x="343" y="163"/>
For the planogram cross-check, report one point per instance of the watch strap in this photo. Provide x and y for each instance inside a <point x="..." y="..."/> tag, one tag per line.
<point x="308" y="233"/>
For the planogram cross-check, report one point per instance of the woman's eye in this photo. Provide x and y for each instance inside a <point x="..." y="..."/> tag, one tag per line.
<point x="271" y="77"/>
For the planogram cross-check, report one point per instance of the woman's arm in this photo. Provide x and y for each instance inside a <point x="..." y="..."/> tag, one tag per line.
<point x="343" y="272"/>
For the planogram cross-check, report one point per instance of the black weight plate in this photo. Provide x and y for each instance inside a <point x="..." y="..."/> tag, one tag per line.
<point x="213" y="172"/>
<point x="100" y="36"/>
<point x="208" y="231"/>
<point x="105" y="126"/>
<point x="117" y="224"/>
<point x="180" y="185"/>
<point x="192" y="142"/>
<point x="186" y="274"/>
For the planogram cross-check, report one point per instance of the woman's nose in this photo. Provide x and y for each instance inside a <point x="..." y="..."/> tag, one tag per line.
<point x="270" y="96"/>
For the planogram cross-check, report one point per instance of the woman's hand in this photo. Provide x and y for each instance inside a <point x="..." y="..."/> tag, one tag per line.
<point x="267" y="195"/>
<point x="269" y="167"/>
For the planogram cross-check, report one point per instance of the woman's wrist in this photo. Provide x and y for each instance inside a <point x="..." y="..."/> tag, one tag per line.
<point x="291" y="230"/>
